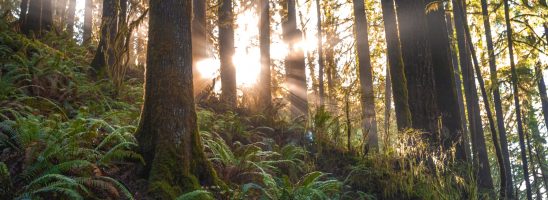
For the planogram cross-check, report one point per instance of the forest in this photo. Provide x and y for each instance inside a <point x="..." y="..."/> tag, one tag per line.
<point x="273" y="99"/>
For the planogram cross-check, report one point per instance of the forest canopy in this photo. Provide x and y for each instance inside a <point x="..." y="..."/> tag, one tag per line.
<point x="273" y="99"/>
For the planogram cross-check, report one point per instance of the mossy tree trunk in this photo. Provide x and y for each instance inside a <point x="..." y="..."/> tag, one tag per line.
<point x="418" y="66"/>
<point x="226" y="51"/>
<point x="104" y="57"/>
<point x="168" y="134"/>
<point x="397" y="70"/>
<point x="369" y="121"/>
<point x="451" y="131"/>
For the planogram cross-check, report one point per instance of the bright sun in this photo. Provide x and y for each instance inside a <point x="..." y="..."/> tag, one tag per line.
<point x="246" y="58"/>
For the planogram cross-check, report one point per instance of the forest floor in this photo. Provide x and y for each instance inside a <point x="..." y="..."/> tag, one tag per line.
<point x="65" y="135"/>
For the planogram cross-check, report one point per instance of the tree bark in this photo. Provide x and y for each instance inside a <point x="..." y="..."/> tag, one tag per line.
<point x="397" y="69"/>
<point x="480" y="160"/>
<point x="70" y="17"/>
<point x="418" y="66"/>
<point x="168" y="133"/>
<point x="451" y="131"/>
<point x="321" y="61"/>
<point x="39" y="18"/>
<point x="199" y="42"/>
<point x="369" y="121"/>
<point x="458" y="86"/>
<point x="294" y="63"/>
<point x="516" y="100"/>
<point x="104" y="57"/>
<point x="23" y="13"/>
<point x="226" y="51"/>
<point x="265" y="76"/>
<point x="506" y="184"/>
<point x="387" y="107"/>
<point x="88" y="22"/>
<point x="544" y="103"/>
<point x="532" y="126"/>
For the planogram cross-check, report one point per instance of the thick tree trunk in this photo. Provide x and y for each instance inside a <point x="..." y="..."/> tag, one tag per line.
<point x="458" y="86"/>
<point x="369" y="121"/>
<point x="516" y="100"/>
<point x="60" y="10"/>
<point x="397" y="71"/>
<point x="506" y="186"/>
<point x="39" y="18"/>
<point x="294" y="63"/>
<point x="226" y="51"/>
<point x="265" y="77"/>
<point x="320" y="54"/>
<point x="47" y="16"/>
<point x="104" y="57"/>
<point x="447" y="100"/>
<point x="88" y="21"/>
<point x="168" y="133"/>
<point x="71" y="17"/>
<point x="199" y="43"/>
<point x="480" y="159"/>
<point x="418" y="66"/>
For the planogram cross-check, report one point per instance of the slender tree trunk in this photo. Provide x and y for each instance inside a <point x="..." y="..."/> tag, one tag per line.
<point x="295" y="65"/>
<point x="348" y="122"/>
<point x="418" y="66"/>
<point x="168" y="133"/>
<point x="481" y="161"/>
<point x="532" y="126"/>
<point x="320" y="54"/>
<point x="104" y="57"/>
<point x="369" y="121"/>
<point x="486" y="103"/>
<point x="397" y="71"/>
<point x="88" y="21"/>
<point x="387" y="107"/>
<point x="226" y="51"/>
<point x="541" y="158"/>
<point x="264" y="40"/>
<point x="516" y="100"/>
<point x="71" y="17"/>
<point x="506" y="187"/>
<point x="447" y="100"/>
<point x="199" y="42"/>
<point x="458" y="86"/>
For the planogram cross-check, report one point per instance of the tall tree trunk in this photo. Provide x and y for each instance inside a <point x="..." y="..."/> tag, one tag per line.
<point x="447" y="100"/>
<point x="199" y="43"/>
<point x="480" y="160"/>
<point x="397" y="70"/>
<point x="369" y="121"/>
<point x="88" y="21"/>
<point x="418" y="66"/>
<point x="104" y="57"/>
<point x="532" y="126"/>
<point x="226" y="51"/>
<point x="516" y="100"/>
<point x="486" y="103"/>
<point x="70" y="17"/>
<point x="60" y="11"/>
<point x="544" y="102"/>
<point x="320" y="54"/>
<point x="458" y="86"/>
<point x="23" y="12"/>
<point x="168" y="133"/>
<point x="39" y="18"/>
<point x="295" y="65"/>
<point x="387" y="107"/>
<point x="506" y="187"/>
<point x="264" y="40"/>
<point x="47" y="16"/>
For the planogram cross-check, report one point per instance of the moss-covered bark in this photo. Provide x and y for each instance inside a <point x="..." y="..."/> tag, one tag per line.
<point x="168" y="133"/>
